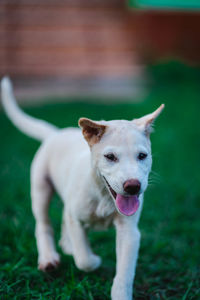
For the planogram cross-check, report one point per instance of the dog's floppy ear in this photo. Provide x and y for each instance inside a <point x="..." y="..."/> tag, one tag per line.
<point x="145" y="123"/>
<point x="92" y="130"/>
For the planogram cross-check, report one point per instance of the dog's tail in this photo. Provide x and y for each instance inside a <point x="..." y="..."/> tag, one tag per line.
<point x="32" y="127"/>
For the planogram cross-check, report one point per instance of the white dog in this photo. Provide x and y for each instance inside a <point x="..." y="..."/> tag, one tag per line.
<point x="100" y="184"/>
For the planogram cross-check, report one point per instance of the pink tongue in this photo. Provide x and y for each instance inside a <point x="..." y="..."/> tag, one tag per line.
<point x="127" y="205"/>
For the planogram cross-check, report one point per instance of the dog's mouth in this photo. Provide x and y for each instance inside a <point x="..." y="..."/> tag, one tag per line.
<point x="126" y="205"/>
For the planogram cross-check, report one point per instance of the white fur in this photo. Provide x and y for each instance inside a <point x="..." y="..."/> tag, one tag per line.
<point x="65" y="162"/>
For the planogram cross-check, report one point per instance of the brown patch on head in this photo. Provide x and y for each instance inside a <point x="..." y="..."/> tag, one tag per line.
<point x="92" y="131"/>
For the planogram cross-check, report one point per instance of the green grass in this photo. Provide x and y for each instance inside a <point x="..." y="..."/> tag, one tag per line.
<point x="168" y="265"/>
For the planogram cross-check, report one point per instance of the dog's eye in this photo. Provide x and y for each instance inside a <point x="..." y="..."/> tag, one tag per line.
<point x="111" y="157"/>
<point x="142" y="156"/>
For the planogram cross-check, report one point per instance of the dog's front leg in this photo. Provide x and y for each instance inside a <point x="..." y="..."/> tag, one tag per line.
<point x="84" y="258"/>
<point x="127" y="246"/>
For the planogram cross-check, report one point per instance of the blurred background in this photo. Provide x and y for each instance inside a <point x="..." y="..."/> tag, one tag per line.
<point x="105" y="59"/>
<point x="93" y="47"/>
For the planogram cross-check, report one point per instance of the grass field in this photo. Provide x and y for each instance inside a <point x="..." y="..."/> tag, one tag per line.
<point x="169" y="261"/>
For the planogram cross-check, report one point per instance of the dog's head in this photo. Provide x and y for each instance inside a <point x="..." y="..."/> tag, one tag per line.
<point x="121" y="154"/>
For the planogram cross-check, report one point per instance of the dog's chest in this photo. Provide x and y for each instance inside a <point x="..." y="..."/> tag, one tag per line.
<point x="98" y="223"/>
<point x="101" y="212"/>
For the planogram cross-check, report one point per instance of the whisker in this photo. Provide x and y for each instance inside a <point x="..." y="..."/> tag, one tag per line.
<point x="154" y="177"/>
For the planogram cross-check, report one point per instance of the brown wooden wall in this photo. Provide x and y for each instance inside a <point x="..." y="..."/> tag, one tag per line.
<point x="51" y="38"/>
<point x="171" y="35"/>
<point x="68" y="37"/>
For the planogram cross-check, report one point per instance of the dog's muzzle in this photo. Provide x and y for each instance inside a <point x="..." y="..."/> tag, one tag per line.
<point x="126" y="205"/>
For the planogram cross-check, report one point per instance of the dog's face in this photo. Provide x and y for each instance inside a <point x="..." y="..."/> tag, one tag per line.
<point x="121" y="154"/>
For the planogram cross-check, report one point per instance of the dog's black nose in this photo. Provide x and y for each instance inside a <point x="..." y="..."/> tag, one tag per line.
<point x="132" y="186"/>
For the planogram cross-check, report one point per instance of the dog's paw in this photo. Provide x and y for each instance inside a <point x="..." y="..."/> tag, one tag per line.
<point x="90" y="264"/>
<point x="121" y="290"/>
<point x="49" y="264"/>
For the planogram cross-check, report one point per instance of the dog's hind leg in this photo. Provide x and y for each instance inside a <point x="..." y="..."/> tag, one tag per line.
<point x="41" y="192"/>
<point x="84" y="258"/>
